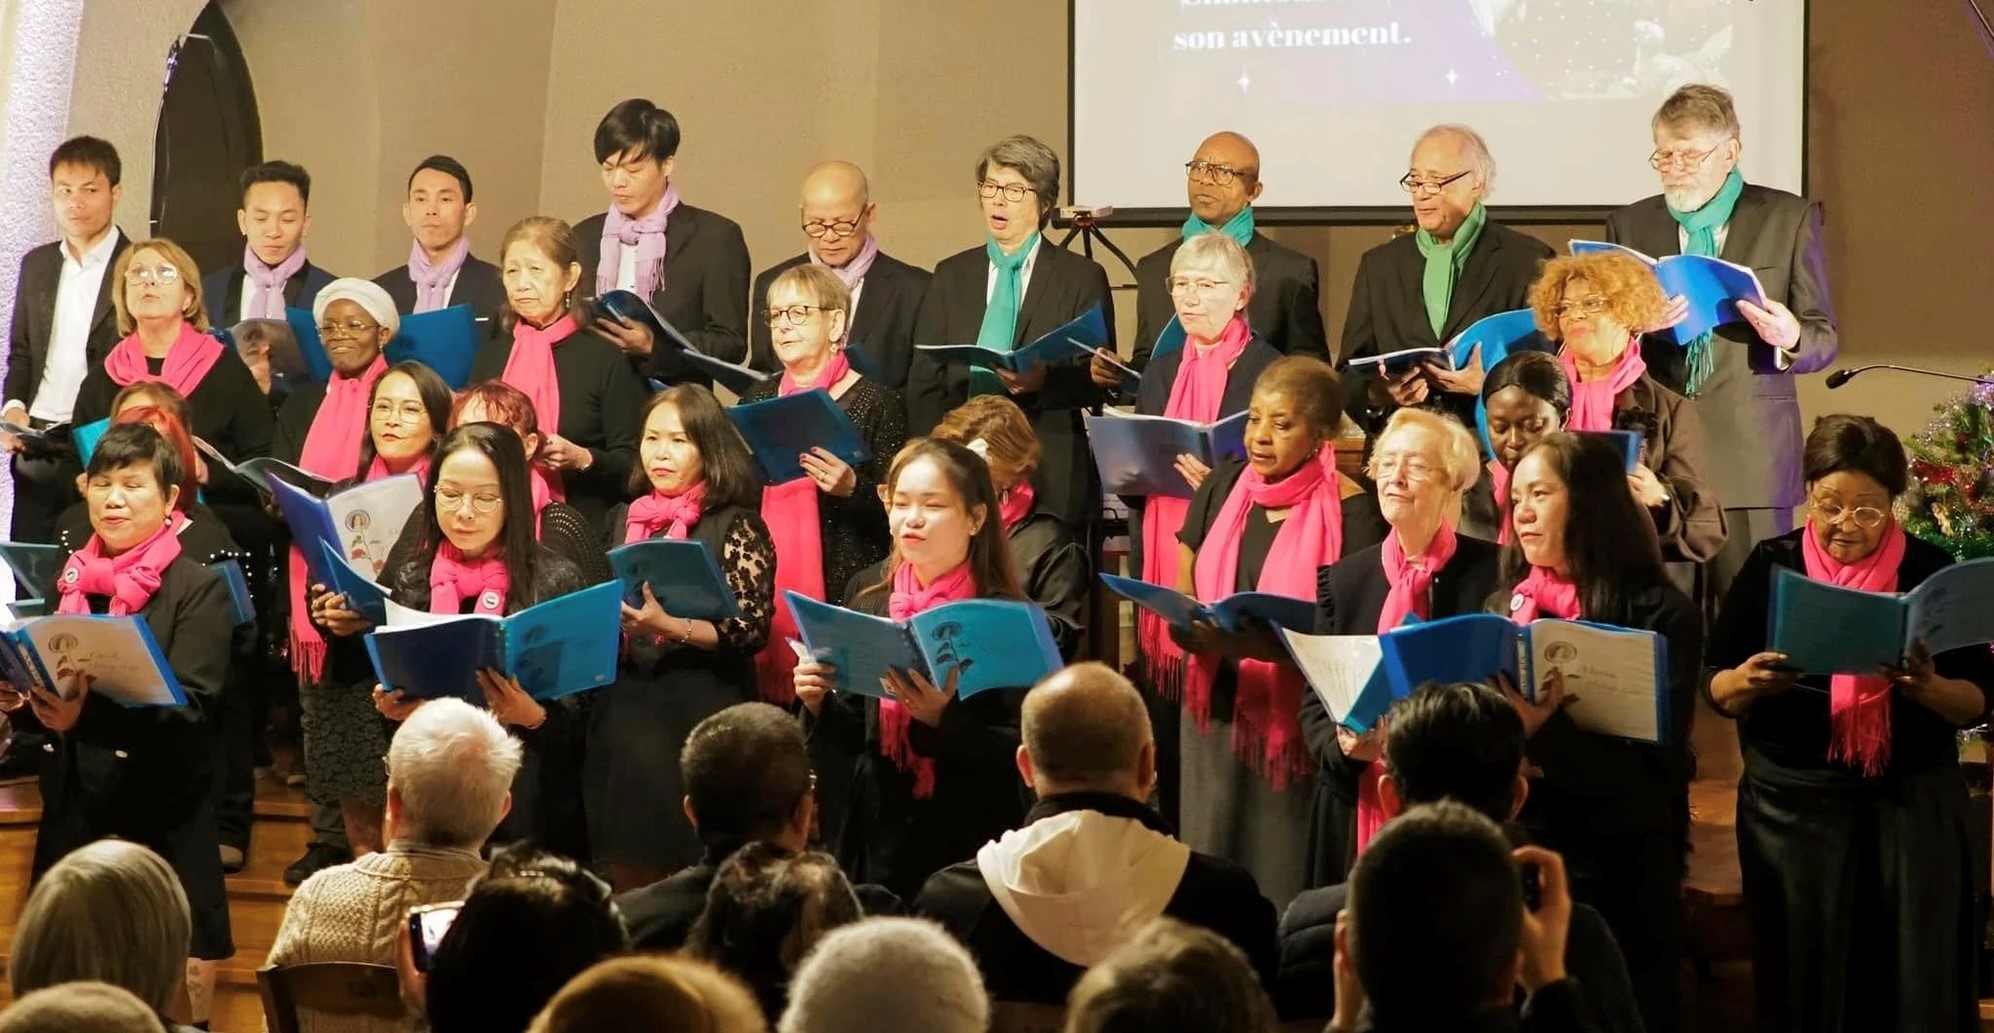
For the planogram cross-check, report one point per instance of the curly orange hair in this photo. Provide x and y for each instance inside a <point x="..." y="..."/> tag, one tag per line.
<point x="1633" y="297"/>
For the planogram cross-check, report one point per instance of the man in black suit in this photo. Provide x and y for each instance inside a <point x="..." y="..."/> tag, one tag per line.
<point x="62" y="327"/>
<point x="1286" y="308"/>
<point x="691" y="264"/>
<point x="1742" y="377"/>
<point x="274" y="273"/>
<point x="886" y="293"/>
<point x="1420" y="289"/>
<point x="441" y="270"/>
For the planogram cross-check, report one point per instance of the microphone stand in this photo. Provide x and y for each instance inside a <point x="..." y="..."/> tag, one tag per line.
<point x="1843" y="376"/>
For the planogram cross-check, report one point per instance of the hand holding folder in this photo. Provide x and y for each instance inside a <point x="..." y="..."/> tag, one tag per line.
<point x="1075" y="339"/>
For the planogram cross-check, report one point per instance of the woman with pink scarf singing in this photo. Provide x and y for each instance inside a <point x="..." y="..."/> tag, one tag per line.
<point x="1852" y="811"/>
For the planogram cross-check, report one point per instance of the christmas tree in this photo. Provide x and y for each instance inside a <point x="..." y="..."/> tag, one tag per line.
<point x="1951" y="501"/>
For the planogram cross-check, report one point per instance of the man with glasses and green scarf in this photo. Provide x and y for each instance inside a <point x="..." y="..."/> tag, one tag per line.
<point x="1741" y="376"/>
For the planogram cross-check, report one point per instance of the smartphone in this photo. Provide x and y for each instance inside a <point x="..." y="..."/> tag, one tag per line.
<point x="426" y="925"/>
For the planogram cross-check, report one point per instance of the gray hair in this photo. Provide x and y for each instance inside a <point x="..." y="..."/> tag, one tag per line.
<point x="1031" y="159"/>
<point x="935" y="986"/>
<point x="97" y="1007"/>
<point x="1217" y="253"/>
<point x="1460" y="457"/>
<point x="1701" y="105"/>
<point x="1473" y="147"/>
<point x="111" y="911"/>
<point x="452" y="765"/>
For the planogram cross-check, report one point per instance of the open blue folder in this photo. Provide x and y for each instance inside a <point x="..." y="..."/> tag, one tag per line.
<point x="1497" y="336"/>
<point x="558" y="648"/>
<point x="360" y="523"/>
<point x="363" y="595"/>
<point x="1076" y="338"/>
<point x="994" y="643"/>
<point x="683" y="575"/>
<point x="444" y="340"/>
<point x="1824" y="629"/>
<point x="1230" y="613"/>
<point x="1168" y="340"/>
<point x="239" y="601"/>
<point x="627" y="305"/>
<point x="1712" y="286"/>
<point x="119" y="654"/>
<point x="778" y="430"/>
<point x="1137" y="455"/>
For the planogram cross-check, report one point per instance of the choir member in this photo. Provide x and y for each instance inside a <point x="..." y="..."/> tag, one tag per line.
<point x="1852" y="809"/>
<point x="1265" y="525"/>
<point x="1592" y="307"/>
<point x="274" y="273"/>
<point x="689" y="263"/>
<point x="1223" y="180"/>
<point x="1011" y="291"/>
<point x="344" y="738"/>
<point x="164" y="410"/>
<point x="441" y="270"/>
<point x="1618" y="810"/>
<point x="1423" y="570"/>
<point x="829" y="524"/>
<point x="695" y="482"/>
<point x="586" y="397"/>
<point x="837" y="215"/>
<point x="1740" y="376"/>
<point x="936" y="776"/>
<point x="1421" y="289"/>
<point x="563" y="528"/>
<point x="1526" y="397"/>
<point x="62" y="326"/>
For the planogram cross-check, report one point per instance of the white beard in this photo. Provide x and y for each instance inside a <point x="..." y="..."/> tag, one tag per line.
<point x="1687" y="199"/>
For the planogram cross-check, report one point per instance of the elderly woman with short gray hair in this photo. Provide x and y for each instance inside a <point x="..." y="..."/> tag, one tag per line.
<point x="110" y="912"/>
<point x="1005" y="293"/>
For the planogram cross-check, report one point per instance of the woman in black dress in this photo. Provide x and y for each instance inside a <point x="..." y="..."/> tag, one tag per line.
<point x="695" y="481"/>
<point x="936" y="776"/>
<point x="563" y="528"/>
<point x="582" y="387"/>
<point x="1857" y="861"/>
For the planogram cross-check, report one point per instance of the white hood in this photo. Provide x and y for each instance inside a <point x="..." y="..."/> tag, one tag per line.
<point x="1079" y="884"/>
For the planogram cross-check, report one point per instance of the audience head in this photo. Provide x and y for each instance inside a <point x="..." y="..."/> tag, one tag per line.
<point x="1223" y="177"/>
<point x="71" y="1007"/>
<point x="450" y="771"/>
<point x="1086" y="729"/>
<point x="1611" y="550"/>
<point x="111" y="911"/>
<point x="495" y="401"/>
<point x="942" y="512"/>
<point x="837" y="212"/>
<point x="541" y="266"/>
<point x="1855" y="468"/>
<point x="481" y="499"/>
<point x="131" y="485"/>
<point x="83" y="185"/>
<point x="356" y="319"/>
<point x="637" y="144"/>
<point x="656" y="992"/>
<point x="533" y="922"/>
<point x="766" y="908"/>
<point x="1296" y="407"/>
<point x="747" y="777"/>
<point x="275" y="213"/>
<point x="993" y="427"/>
<point x="1435" y="917"/>
<point x="1211" y="279"/>
<point x="1696" y="145"/>
<point x="1462" y="742"/>
<point x="1422" y="462"/>
<point x="688" y="441"/>
<point x="809" y="312"/>
<point x="887" y="975"/>
<point x="439" y="207"/>
<point x="157" y="405"/>
<point x="1171" y="978"/>
<point x="1018" y="179"/>
<point x="1527" y="396"/>
<point x="156" y="282"/>
<point x="1451" y="172"/>
<point x="1596" y="304"/>
<point x="408" y="412"/>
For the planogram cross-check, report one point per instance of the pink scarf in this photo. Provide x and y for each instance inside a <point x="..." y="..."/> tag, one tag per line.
<point x="332" y="451"/>
<point x="188" y="360"/>
<point x="530" y="367"/>
<point x="1543" y="594"/>
<point x="1499" y="482"/>
<point x="675" y="515"/>
<point x="1592" y="400"/>
<point x="793" y="515"/>
<point x="1858" y="704"/>
<point x="1267" y="708"/>
<point x="1411" y="593"/>
<point x="647" y="235"/>
<point x="1196" y="395"/>
<point x="852" y="273"/>
<point x="270" y="281"/>
<point x="432" y="282"/>
<point x="909" y="598"/>
<point x="127" y="579"/>
<point x="379" y="469"/>
<point x="453" y="580"/>
<point x="1017" y="505"/>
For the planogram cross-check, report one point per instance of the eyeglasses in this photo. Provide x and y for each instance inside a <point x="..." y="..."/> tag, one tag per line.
<point x="165" y="275"/>
<point x="818" y="229"/>
<point x="1392" y="464"/>
<point x="1416" y="187"/>
<point x="328" y="331"/>
<point x="1591" y="305"/>
<point x="794" y="315"/>
<point x="1867" y="517"/>
<point x="1681" y="160"/>
<point x="1012" y="192"/>
<point x="1205" y="171"/>
<point x="482" y="503"/>
<point x="1186" y="285"/>
<point x="410" y="412"/>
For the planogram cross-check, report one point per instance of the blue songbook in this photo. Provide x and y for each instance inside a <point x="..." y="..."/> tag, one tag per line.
<point x="994" y="643"/>
<point x="1169" y="339"/>
<point x="444" y="340"/>
<point x="86" y="437"/>
<point x="34" y="565"/>
<point x="1230" y="613"/>
<point x="558" y="648"/>
<point x="1824" y="629"/>
<point x="119" y="654"/>
<point x="778" y="430"/>
<point x="363" y="594"/>
<point x="861" y="360"/>
<point x="1137" y="455"/>
<point x="626" y="305"/>
<point x="683" y="575"/>
<point x="239" y="600"/>
<point x="263" y="470"/>
<point x="1399" y="363"/>
<point x="1076" y="338"/>
<point x="1712" y="286"/>
<point x="1626" y="442"/>
<point x="1346" y="672"/>
<point x="360" y="523"/>
<point x="1497" y="336"/>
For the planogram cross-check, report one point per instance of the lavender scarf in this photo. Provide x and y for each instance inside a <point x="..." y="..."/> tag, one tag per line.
<point x="647" y="235"/>
<point x="270" y="281"/>
<point x="432" y="282"/>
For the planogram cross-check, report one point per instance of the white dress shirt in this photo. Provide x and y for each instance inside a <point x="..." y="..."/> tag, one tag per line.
<point x="626" y="267"/>
<point x="68" y="357"/>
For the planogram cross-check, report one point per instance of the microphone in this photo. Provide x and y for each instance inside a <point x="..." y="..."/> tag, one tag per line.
<point x="1843" y="376"/>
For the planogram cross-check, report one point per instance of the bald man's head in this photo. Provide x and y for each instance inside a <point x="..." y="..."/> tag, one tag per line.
<point x="1085" y="728"/>
<point x="837" y="211"/>
<point x="1223" y="156"/>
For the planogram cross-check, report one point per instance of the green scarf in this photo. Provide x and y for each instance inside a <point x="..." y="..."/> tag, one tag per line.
<point x="1443" y="265"/>
<point x="1700" y="238"/>
<point x="1239" y="227"/>
<point x="999" y="331"/>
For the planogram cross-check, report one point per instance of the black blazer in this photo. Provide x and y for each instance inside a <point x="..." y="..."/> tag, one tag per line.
<point x="221" y="292"/>
<point x="1063" y="285"/>
<point x="478" y="285"/>
<point x="882" y="329"/>
<point x="1054" y="572"/>
<point x="703" y="290"/>
<point x="1748" y="398"/>
<point x="34" y="318"/>
<point x="1285" y="310"/>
